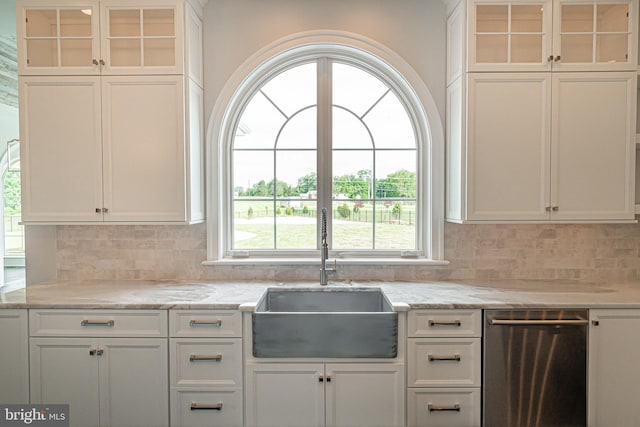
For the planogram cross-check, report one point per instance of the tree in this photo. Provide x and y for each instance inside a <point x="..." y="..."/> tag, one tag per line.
<point x="307" y="183"/>
<point x="351" y="186"/>
<point x="401" y="183"/>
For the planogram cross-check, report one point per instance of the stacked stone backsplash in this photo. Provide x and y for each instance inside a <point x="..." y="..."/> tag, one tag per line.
<point x="582" y="252"/>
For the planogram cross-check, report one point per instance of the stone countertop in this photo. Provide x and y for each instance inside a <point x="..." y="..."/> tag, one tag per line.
<point x="233" y="294"/>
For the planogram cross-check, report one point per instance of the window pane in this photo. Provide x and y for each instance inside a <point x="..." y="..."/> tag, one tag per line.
<point x="294" y="89"/>
<point x="259" y="124"/>
<point x="395" y="174"/>
<point x="352" y="174"/>
<point x="355" y="89"/>
<point x="396" y="224"/>
<point x="294" y="168"/>
<point x="253" y="173"/>
<point x="296" y="224"/>
<point x="253" y="224"/>
<point x="349" y="131"/>
<point x="390" y="125"/>
<point x="352" y="224"/>
<point x="300" y="131"/>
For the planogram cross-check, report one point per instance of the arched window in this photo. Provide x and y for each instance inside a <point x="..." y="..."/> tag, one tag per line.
<point x="325" y="127"/>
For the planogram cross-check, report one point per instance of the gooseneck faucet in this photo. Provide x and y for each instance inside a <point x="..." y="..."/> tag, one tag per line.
<point x="324" y="250"/>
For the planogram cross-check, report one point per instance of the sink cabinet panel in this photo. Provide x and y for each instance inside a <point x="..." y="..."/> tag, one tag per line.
<point x="307" y="394"/>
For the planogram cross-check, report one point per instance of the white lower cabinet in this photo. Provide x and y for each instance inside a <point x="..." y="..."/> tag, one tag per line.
<point x="206" y="368"/>
<point x="14" y="357"/>
<point x="444" y="368"/>
<point x="106" y="381"/>
<point x="614" y="377"/>
<point x="110" y="366"/>
<point x="319" y="395"/>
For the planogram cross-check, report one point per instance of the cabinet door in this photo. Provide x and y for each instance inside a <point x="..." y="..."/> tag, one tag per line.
<point x="144" y="148"/>
<point x="58" y="37"/>
<point x="14" y="357"/>
<point x="595" y="35"/>
<point x="142" y="39"/>
<point x="61" y="148"/>
<point x="134" y="383"/>
<point x="508" y="146"/>
<point x="614" y="377"/>
<point x="285" y="395"/>
<point x="365" y="395"/>
<point x="65" y="371"/>
<point x="509" y="35"/>
<point x="593" y="155"/>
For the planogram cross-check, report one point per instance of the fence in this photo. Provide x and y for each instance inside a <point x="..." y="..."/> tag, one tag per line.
<point x="13" y="235"/>
<point x="406" y="216"/>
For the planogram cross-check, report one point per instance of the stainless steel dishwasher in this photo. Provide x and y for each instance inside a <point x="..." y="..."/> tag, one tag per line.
<point x="535" y="368"/>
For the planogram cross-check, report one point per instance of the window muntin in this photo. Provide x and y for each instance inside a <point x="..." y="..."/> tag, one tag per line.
<point x="370" y="142"/>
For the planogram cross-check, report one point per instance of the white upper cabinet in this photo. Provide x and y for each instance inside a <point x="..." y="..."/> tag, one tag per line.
<point x="100" y="37"/>
<point x="558" y="35"/>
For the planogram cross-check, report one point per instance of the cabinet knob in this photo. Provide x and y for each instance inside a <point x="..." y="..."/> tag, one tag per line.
<point x="555" y="208"/>
<point x="94" y="62"/>
<point x="98" y="210"/>
<point x="103" y="63"/>
<point x="557" y="58"/>
<point x="550" y="58"/>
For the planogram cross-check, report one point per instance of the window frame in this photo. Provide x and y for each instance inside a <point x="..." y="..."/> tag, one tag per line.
<point x="348" y="49"/>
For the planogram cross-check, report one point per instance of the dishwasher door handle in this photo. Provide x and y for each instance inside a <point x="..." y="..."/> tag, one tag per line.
<point x="539" y="322"/>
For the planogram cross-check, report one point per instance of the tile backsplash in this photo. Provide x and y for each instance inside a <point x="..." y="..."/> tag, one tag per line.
<point x="582" y="252"/>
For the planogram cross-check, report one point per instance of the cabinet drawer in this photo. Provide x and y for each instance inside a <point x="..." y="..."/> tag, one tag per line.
<point x="444" y="407"/>
<point x="444" y="362"/>
<point x="98" y="323"/>
<point x="195" y="408"/>
<point x="205" y="323"/>
<point x="206" y="362"/>
<point x="445" y="323"/>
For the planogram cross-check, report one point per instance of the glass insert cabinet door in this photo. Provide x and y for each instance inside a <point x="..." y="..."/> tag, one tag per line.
<point x="515" y="35"/>
<point x="58" y="38"/>
<point x="91" y="37"/>
<point x="568" y="35"/>
<point x="600" y="34"/>
<point x="143" y="38"/>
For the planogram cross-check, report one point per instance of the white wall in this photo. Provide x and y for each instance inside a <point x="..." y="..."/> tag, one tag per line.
<point x="236" y="29"/>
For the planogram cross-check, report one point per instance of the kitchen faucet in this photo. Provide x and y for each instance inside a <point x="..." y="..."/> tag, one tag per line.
<point x="324" y="251"/>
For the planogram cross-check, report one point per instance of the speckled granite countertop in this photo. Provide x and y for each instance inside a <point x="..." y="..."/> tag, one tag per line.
<point x="232" y="294"/>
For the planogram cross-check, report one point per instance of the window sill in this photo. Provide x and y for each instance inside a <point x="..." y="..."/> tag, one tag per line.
<point x="267" y="262"/>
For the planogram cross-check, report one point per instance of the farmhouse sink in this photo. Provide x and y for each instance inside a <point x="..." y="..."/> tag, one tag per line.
<point x="325" y="323"/>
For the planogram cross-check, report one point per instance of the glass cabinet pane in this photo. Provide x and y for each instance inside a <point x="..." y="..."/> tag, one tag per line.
<point x="492" y="18"/>
<point x="42" y="23"/>
<point x="75" y="53"/>
<point x="526" y="18"/>
<point x="158" y="22"/>
<point x="124" y="23"/>
<point x="125" y="52"/>
<point x="577" y="18"/>
<point x="75" y="23"/>
<point x="159" y="52"/>
<point x="612" y="18"/>
<point x="42" y="53"/>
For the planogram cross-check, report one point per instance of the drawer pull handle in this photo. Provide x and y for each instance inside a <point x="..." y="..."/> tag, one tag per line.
<point x="206" y="406"/>
<point x="216" y="357"/>
<point x="216" y="323"/>
<point x="433" y="323"/>
<point x="438" y="408"/>
<point x="107" y="323"/>
<point x="455" y="357"/>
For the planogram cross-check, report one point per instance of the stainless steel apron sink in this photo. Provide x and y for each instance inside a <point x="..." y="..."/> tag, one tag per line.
<point x="325" y="323"/>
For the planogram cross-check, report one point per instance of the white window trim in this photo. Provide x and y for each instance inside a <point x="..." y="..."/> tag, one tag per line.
<point x="270" y="61"/>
